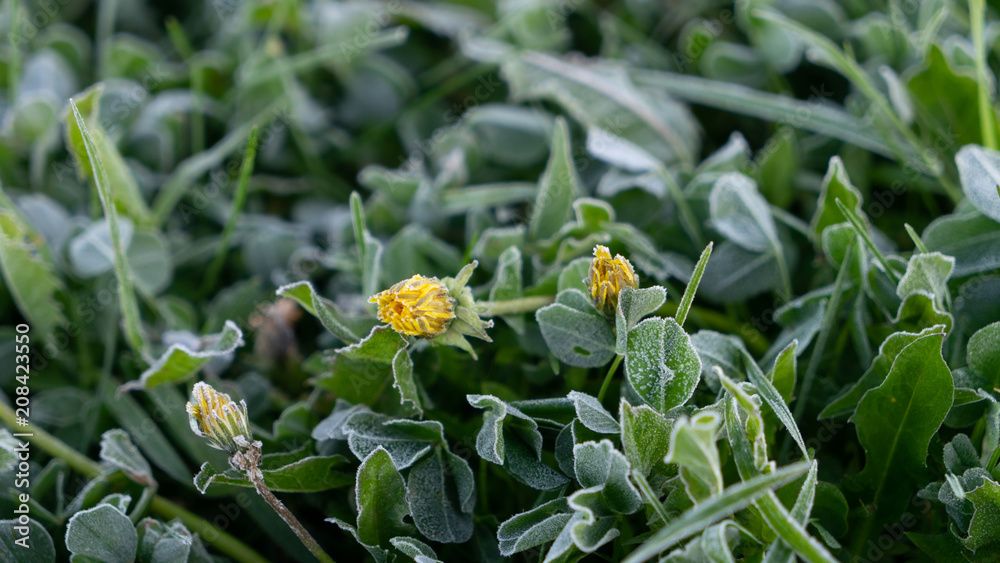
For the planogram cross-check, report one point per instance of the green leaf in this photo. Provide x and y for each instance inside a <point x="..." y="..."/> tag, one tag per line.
<point x="305" y="475"/>
<point x="979" y="173"/>
<point x="29" y="271"/>
<point x="442" y="512"/>
<point x="661" y="364"/>
<point x="348" y="329"/>
<point x="381" y="498"/>
<point x="509" y="285"/>
<point x="598" y="96"/>
<point x="741" y="214"/>
<point x="592" y="414"/>
<point x="575" y="332"/>
<point x="782" y="374"/>
<point x="37" y="547"/>
<point x="836" y="185"/>
<point x="709" y="512"/>
<point x="729" y="353"/>
<point x="535" y="527"/>
<point x="983" y="353"/>
<point x="645" y="436"/>
<point x="591" y="526"/>
<point x="633" y="305"/>
<point x="134" y="333"/>
<point x="946" y="100"/>
<point x="984" y="529"/>
<point x="163" y="543"/>
<point x="511" y="438"/>
<point x="599" y="463"/>
<point x="557" y="188"/>
<point x="896" y="421"/>
<point x="103" y="533"/>
<point x="404" y="381"/>
<point x="417" y="550"/>
<point x="876" y="373"/>
<point x="693" y="448"/>
<point x="180" y="362"/>
<point x="971" y="238"/>
<point x="146" y="433"/>
<point x="83" y="128"/>
<point x="405" y="440"/>
<point x="927" y="272"/>
<point x="118" y="450"/>
<point x="826" y="120"/>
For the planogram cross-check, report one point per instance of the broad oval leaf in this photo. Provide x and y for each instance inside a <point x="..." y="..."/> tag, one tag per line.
<point x="661" y="364"/>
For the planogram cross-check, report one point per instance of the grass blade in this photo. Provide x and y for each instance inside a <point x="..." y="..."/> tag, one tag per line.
<point x="134" y="333"/>
<point x="977" y="9"/>
<point x="239" y="199"/>
<point x="715" y="509"/>
<point x="692" y="286"/>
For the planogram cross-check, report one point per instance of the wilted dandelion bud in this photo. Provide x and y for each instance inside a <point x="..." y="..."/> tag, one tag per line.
<point x="417" y="306"/>
<point x="215" y="416"/>
<point x="607" y="277"/>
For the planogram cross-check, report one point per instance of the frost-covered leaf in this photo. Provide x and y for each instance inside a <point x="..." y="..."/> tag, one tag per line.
<point x="509" y="284"/>
<point x="404" y="381"/>
<point x="535" y="527"/>
<point x="836" y="185"/>
<point x="661" y="364"/>
<point x="557" y="189"/>
<point x="163" y="543"/>
<point x="381" y="499"/>
<point x="601" y="96"/>
<point x="741" y="214"/>
<point x="303" y="475"/>
<point x="983" y="353"/>
<point x="927" y="272"/>
<point x="592" y="414"/>
<point x="645" y="436"/>
<point x="511" y="438"/>
<point x="350" y="330"/>
<point x="599" y="463"/>
<point x="633" y="305"/>
<point x="415" y="549"/>
<point x="181" y="362"/>
<point x="28" y="271"/>
<point x="405" y="440"/>
<point x="37" y="547"/>
<point x="124" y="189"/>
<point x="984" y="529"/>
<point x="102" y="533"/>
<point x="972" y="239"/>
<point x="118" y="450"/>
<point x="575" y="332"/>
<point x="442" y="507"/>
<point x="693" y="448"/>
<point x="979" y="173"/>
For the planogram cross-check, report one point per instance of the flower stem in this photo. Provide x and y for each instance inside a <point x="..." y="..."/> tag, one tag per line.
<point x="85" y="466"/>
<point x="513" y="306"/>
<point x="608" y="378"/>
<point x="257" y="478"/>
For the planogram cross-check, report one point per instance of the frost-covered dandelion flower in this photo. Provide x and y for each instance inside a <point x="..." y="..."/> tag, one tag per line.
<point x="417" y="306"/>
<point x="215" y="416"/>
<point x="607" y="277"/>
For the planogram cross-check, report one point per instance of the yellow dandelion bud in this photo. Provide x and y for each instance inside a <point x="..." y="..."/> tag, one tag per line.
<point x="215" y="416"/>
<point x="607" y="277"/>
<point x="417" y="306"/>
